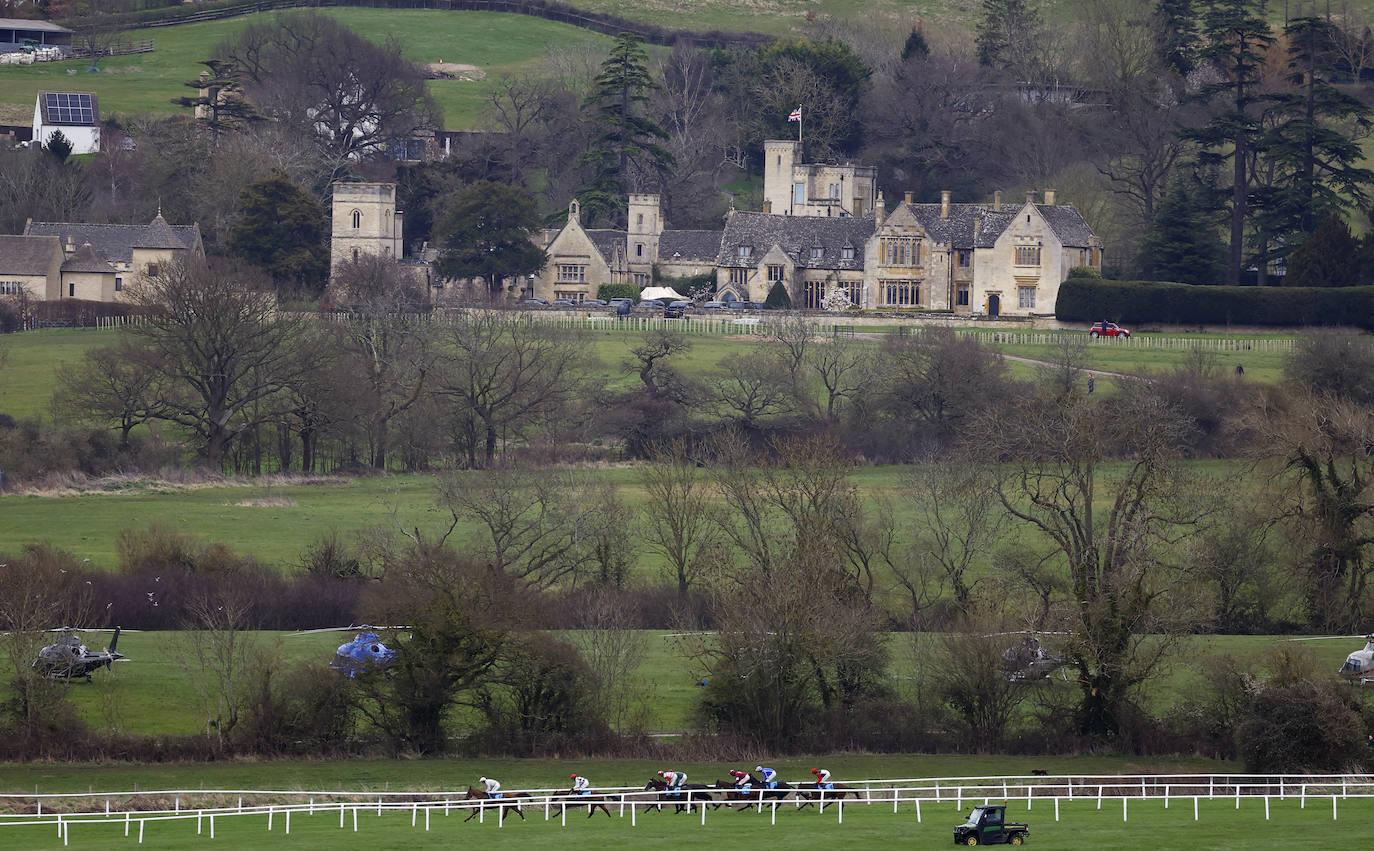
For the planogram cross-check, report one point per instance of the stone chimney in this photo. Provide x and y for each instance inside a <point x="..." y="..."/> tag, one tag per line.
<point x="997" y="201"/>
<point x="944" y="203"/>
<point x="879" y="209"/>
<point x="1049" y="197"/>
<point x="768" y="206"/>
<point x="70" y="248"/>
<point x="1030" y="196"/>
<point x="907" y="197"/>
<point x="977" y="229"/>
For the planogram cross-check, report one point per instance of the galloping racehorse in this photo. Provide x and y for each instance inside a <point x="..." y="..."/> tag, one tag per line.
<point x="591" y="802"/>
<point x="679" y="797"/>
<point x="812" y="792"/>
<point x="508" y="800"/>
<point x="750" y="792"/>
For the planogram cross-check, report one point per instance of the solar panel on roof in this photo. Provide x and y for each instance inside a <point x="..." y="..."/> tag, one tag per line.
<point x="69" y="108"/>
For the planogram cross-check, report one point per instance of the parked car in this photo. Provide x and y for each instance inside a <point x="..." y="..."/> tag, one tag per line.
<point x="713" y="305"/>
<point x="564" y="302"/>
<point x="536" y="302"/>
<point x="594" y="302"/>
<point x="653" y="303"/>
<point x="746" y="305"/>
<point x="675" y="309"/>
<point x="1108" y="329"/>
<point x="616" y="302"/>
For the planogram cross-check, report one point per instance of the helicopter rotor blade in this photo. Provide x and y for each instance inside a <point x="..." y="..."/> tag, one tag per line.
<point x="1329" y="638"/>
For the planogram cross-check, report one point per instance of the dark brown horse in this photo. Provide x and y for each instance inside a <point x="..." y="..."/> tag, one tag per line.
<point x="591" y="802"/>
<point x="811" y="792"/>
<point x="678" y="797"/>
<point x="507" y="801"/>
<point x="754" y="792"/>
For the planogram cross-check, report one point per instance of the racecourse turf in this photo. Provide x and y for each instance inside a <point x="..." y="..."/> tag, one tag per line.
<point x="1081" y="824"/>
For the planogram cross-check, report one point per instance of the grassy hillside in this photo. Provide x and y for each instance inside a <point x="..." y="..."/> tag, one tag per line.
<point x="145" y="84"/>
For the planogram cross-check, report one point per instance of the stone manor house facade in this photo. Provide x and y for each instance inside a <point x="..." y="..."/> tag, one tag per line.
<point x="822" y="227"/>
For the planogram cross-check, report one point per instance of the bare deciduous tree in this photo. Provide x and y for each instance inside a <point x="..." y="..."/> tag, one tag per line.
<point x="505" y="375"/>
<point x="117" y="384"/>
<point x="959" y="520"/>
<point x="1112" y="532"/>
<point x="225" y="351"/>
<point x="679" y="519"/>
<point x="215" y="656"/>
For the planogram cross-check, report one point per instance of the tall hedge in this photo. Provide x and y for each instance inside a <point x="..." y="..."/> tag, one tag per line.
<point x="1085" y="300"/>
<point x="606" y="292"/>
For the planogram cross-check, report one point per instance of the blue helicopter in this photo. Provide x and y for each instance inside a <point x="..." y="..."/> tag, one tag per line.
<point x="364" y="654"/>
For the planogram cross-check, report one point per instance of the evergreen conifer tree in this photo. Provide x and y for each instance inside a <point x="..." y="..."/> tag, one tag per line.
<point x="626" y="137"/>
<point x="1327" y="258"/>
<point x="1182" y="244"/>
<point x="1311" y="144"/>
<point x="778" y="299"/>
<point x="1235" y="38"/>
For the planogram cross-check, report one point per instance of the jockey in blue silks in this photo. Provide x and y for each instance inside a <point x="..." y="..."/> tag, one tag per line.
<point x="768" y="776"/>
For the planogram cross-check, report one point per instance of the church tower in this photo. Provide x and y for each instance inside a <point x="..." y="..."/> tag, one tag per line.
<point x="366" y="221"/>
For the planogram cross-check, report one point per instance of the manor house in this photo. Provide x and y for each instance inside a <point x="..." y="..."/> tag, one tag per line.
<point x="826" y="226"/>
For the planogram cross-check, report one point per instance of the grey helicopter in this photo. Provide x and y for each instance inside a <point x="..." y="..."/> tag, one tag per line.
<point x="1027" y="661"/>
<point x="1358" y="667"/>
<point x="69" y="659"/>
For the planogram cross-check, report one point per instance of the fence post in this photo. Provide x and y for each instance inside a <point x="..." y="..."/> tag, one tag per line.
<point x="270" y="811"/>
<point x="1333" y="807"/>
<point x="1266" y="808"/>
<point x="1056" y="808"/>
<point x="918" y="809"/>
<point x="212" y="825"/>
<point x="1099" y="796"/>
<point x="288" y="821"/>
<point x="1195" y="808"/>
<point x="355" y="819"/>
<point x="1124" y="799"/>
<point x="140" y="831"/>
<point x="840" y="808"/>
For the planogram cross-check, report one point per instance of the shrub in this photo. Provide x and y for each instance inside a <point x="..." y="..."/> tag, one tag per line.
<point x="1087" y="300"/>
<point x="606" y="292"/>
<point x="1304" y="726"/>
<point x="778" y="299"/>
<point x="1085" y="272"/>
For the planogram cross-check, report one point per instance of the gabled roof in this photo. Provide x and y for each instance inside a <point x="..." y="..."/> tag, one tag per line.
<point x="158" y="234"/>
<point x="687" y="245"/>
<point x="796" y="235"/>
<point x="966" y="226"/>
<point x="116" y="243"/>
<point x="69" y="109"/>
<point x="87" y="260"/>
<point x="607" y="241"/>
<point x="28" y="255"/>
<point x="31" y="26"/>
<point x="1068" y="224"/>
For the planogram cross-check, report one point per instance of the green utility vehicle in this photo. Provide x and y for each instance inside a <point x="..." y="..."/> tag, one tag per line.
<point x="987" y="825"/>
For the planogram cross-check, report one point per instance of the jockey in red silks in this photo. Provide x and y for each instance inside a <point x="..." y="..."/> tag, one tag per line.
<point x="822" y="778"/>
<point x="674" y="779"/>
<point x="741" y="780"/>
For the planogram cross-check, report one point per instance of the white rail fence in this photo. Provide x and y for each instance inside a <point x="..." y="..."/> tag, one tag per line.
<point x="279" y="805"/>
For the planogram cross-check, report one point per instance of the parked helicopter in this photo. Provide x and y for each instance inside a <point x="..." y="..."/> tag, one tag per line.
<point x="69" y="659"/>
<point x="1359" y="665"/>
<point x="1027" y="662"/>
<point x="364" y="653"/>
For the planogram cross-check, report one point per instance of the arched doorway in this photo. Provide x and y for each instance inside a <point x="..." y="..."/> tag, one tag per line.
<point x="994" y="305"/>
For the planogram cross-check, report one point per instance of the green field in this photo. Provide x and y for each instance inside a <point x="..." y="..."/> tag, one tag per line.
<point x="144" y="84"/>
<point x="151" y="694"/>
<point x="30" y="371"/>
<point x="1080" y="824"/>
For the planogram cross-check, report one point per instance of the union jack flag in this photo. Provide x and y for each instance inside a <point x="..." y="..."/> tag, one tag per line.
<point x="796" y="115"/>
